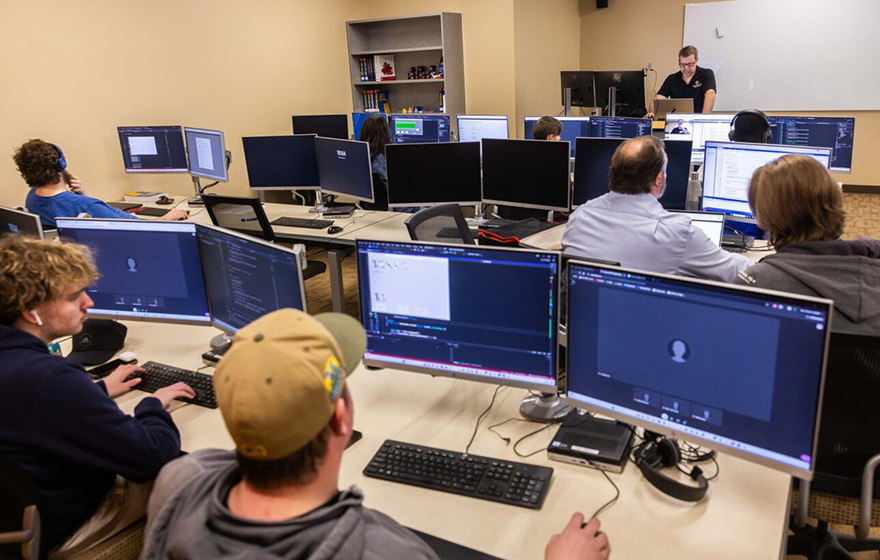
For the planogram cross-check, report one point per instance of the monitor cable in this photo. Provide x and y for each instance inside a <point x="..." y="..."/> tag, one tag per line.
<point x="480" y="418"/>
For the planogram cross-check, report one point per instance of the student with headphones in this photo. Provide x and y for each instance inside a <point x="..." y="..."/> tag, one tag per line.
<point x="86" y="459"/>
<point x="750" y="125"/>
<point x="44" y="167"/>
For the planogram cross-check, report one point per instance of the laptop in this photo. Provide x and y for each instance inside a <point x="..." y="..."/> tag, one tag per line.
<point x="712" y="223"/>
<point x="663" y="107"/>
<point x="18" y="221"/>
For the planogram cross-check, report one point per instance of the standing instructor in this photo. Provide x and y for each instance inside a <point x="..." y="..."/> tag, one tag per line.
<point x="691" y="81"/>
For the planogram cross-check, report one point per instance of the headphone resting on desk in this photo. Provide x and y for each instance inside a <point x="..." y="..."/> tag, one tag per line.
<point x="654" y="454"/>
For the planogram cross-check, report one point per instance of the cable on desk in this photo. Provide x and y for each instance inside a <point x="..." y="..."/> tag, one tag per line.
<point x="527" y="436"/>
<point x="480" y="418"/>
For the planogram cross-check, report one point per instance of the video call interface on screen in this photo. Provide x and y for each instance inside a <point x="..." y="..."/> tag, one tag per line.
<point x="448" y="309"/>
<point x="729" y="167"/>
<point x="419" y="128"/>
<point x="149" y="271"/>
<point x="246" y="279"/>
<point x="699" y="128"/>
<point x="671" y="352"/>
<point x="153" y="149"/>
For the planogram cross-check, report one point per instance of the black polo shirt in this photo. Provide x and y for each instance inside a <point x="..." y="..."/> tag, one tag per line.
<point x="675" y="88"/>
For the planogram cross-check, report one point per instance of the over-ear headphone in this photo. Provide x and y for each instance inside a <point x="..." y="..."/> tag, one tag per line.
<point x="36" y="317"/>
<point x="653" y="455"/>
<point x="60" y="161"/>
<point x="756" y="112"/>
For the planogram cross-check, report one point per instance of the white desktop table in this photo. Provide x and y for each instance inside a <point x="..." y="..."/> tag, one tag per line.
<point x="744" y="516"/>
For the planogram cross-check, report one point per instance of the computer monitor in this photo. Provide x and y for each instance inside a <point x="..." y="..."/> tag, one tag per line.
<point x="712" y="224"/>
<point x="836" y="133"/>
<point x="479" y="313"/>
<point x="526" y="173"/>
<point x="591" y="166"/>
<point x="453" y="174"/>
<point x="581" y="84"/>
<point x="419" y="127"/>
<point x="17" y="221"/>
<point x="207" y="153"/>
<point x="358" y="119"/>
<point x="678" y="173"/>
<point x="328" y="126"/>
<point x="247" y="278"/>
<point x="729" y="167"/>
<point x="344" y="168"/>
<point x="619" y="127"/>
<point x="473" y="128"/>
<point x="572" y="128"/>
<point x="690" y="375"/>
<point x="281" y="162"/>
<point x="152" y="149"/>
<point x="698" y="128"/>
<point x="150" y="270"/>
<point x="629" y="92"/>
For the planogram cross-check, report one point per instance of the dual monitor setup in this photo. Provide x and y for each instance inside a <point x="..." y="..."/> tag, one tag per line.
<point x="161" y="149"/>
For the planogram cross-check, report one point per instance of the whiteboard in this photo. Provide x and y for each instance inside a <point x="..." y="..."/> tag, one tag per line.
<point x="789" y="55"/>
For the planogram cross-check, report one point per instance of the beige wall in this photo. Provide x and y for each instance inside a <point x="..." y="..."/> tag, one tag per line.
<point x="547" y="41"/>
<point x="630" y="34"/>
<point x="70" y="72"/>
<point x="487" y="29"/>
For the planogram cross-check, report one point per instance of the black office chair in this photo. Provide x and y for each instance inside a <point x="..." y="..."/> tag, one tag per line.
<point x="19" y="517"/>
<point x="246" y="215"/>
<point x="843" y="491"/>
<point x="444" y="223"/>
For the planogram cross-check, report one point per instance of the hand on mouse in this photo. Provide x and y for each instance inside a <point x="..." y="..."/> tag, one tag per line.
<point x="116" y="383"/>
<point x="578" y="541"/>
<point x="174" y="215"/>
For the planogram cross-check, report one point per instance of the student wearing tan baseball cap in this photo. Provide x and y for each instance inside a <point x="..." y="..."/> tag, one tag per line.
<point x="282" y="391"/>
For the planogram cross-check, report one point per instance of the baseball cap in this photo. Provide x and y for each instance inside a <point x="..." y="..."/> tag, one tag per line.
<point x="278" y="383"/>
<point x="98" y="341"/>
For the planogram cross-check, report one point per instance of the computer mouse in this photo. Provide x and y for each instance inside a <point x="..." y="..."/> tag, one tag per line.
<point x="334" y="229"/>
<point x="127" y="357"/>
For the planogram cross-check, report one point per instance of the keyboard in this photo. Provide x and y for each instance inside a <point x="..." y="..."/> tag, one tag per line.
<point x="311" y="223"/>
<point x="518" y="484"/>
<point x="150" y="211"/>
<point x="158" y="375"/>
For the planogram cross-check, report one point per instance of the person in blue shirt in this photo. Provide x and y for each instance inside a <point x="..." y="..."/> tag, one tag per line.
<point x="44" y="168"/>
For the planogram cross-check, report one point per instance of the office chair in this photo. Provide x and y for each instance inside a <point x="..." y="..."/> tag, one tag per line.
<point x="444" y="223"/>
<point x="843" y="491"/>
<point x="246" y="215"/>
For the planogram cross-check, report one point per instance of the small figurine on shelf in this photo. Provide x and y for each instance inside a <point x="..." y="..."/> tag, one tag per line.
<point x="432" y="72"/>
<point x="411" y="75"/>
<point x="440" y="69"/>
<point x="421" y="73"/>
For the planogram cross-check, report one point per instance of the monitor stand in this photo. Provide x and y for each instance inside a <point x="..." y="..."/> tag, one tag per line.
<point x="546" y="407"/>
<point x="319" y="207"/>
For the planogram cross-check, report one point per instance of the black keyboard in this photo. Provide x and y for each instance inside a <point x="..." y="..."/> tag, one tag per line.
<point x="311" y="223"/>
<point x="518" y="484"/>
<point x="150" y="211"/>
<point x="157" y="376"/>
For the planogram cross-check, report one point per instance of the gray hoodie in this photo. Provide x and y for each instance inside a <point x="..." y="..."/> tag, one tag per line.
<point x="847" y="272"/>
<point x="188" y="519"/>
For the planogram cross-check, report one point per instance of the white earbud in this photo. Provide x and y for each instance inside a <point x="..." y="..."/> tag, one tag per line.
<point x="37" y="318"/>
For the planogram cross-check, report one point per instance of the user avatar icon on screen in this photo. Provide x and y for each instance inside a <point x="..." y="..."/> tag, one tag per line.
<point x="132" y="264"/>
<point x="678" y="350"/>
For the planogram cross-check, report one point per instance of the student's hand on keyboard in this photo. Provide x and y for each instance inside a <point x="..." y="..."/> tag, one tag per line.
<point x="174" y="215"/>
<point x="118" y="382"/>
<point x="171" y="392"/>
<point x="578" y="542"/>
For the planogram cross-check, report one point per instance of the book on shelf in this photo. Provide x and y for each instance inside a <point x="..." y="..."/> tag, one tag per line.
<point x="376" y="101"/>
<point x="143" y="197"/>
<point x="365" y="68"/>
<point x="384" y="65"/>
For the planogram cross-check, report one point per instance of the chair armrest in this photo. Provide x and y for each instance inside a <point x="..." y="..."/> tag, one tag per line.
<point x="864" y="526"/>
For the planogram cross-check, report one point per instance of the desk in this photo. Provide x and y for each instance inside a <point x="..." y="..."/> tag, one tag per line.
<point x="744" y="516"/>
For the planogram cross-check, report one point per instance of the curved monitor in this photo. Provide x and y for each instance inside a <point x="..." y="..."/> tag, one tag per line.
<point x="667" y="353"/>
<point x="485" y="314"/>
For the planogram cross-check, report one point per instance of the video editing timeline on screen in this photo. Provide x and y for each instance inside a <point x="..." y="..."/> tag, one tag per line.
<point x="836" y="133"/>
<point x="148" y="271"/>
<point x="483" y="312"/>
<point x="669" y="352"/>
<point x="246" y="279"/>
<point x="153" y="149"/>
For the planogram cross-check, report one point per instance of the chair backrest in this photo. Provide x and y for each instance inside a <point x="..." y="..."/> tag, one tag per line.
<point x="19" y="518"/>
<point x="444" y="223"/>
<point x="849" y="434"/>
<point x="241" y="214"/>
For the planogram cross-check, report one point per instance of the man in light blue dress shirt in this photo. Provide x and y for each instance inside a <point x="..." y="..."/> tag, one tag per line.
<point x="629" y="225"/>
